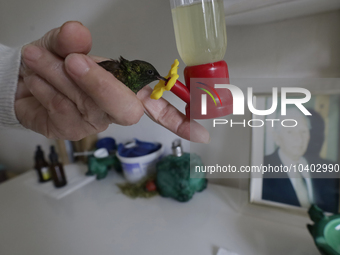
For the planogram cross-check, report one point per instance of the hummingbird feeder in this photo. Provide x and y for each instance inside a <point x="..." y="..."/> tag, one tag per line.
<point x="201" y="40"/>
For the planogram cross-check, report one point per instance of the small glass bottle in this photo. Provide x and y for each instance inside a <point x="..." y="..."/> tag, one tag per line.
<point x="41" y="166"/>
<point x="57" y="170"/>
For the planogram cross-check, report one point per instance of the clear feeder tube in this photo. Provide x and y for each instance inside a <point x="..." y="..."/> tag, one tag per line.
<point x="200" y="30"/>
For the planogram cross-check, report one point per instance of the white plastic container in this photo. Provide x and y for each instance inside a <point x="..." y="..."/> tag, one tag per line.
<point x="136" y="168"/>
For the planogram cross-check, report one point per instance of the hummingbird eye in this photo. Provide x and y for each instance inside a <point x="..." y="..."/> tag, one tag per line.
<point x="150" y="72"/>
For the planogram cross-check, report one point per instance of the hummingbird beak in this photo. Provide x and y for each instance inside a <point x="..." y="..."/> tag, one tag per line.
<point x="161" y="78"/>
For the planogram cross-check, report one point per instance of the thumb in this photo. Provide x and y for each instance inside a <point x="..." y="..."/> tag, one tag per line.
<point x="71" y="37"/>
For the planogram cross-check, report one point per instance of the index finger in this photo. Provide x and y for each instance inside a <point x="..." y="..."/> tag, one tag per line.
<point x="165" y="114"/>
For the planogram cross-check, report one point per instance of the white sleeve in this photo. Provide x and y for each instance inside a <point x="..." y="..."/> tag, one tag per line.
<point x="9" y="72"/>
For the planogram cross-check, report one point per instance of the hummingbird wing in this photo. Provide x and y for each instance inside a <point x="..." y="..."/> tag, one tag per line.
<point x="134" y="74"/>
<point x="117" y="68"/>
<point x="110" y="65"/>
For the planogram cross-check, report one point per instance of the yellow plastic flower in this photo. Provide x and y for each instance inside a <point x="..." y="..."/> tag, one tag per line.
<point x="161" y="87"/>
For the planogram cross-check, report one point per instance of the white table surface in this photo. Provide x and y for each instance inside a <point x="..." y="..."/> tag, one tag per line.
<point x="97" y="219"/>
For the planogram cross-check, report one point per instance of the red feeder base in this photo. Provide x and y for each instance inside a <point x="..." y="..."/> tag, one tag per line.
<point x="206" y="102"/>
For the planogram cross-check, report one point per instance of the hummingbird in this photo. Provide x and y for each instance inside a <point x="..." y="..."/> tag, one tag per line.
<point x="134" y="74"/>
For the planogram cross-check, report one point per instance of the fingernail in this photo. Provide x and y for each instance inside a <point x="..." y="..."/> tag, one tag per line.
<point x="68" y="23"/>
<point x="205" y="137"/>
<point x="207" y="140"/>
<point x="77" y="64"/>
<point x="198" y="133"/>
<point x="32" y="53"/>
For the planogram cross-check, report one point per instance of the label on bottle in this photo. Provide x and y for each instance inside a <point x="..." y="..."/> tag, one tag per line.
<point x="45" y="173"/>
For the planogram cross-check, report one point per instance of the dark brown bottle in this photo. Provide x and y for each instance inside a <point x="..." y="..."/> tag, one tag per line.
<point x="41" y="166"/>
<point x="57" y="170"/>
<point x="3" y="174"/>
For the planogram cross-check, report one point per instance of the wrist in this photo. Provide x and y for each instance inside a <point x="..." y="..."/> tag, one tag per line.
<point x="9" y="76"/>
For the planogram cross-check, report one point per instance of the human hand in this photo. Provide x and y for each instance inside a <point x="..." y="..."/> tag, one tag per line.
<point x="62" y="93"/>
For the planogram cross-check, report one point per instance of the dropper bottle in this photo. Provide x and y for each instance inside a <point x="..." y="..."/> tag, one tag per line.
<point x="57" y="170"/>
<point x="177" y="149"/>
<point x="41" y="166"/>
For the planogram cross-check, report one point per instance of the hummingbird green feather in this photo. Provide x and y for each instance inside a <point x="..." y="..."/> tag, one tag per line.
<point x="134" y="74"/>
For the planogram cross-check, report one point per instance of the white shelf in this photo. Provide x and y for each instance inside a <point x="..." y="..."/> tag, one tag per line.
<point x="98" y="219"/>
<point x="248" y="12"/>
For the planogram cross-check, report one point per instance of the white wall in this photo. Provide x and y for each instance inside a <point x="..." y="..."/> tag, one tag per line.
<point x="298" y="48"/>
<point x="301" y="47"/>
<point x="305" y="47"/>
